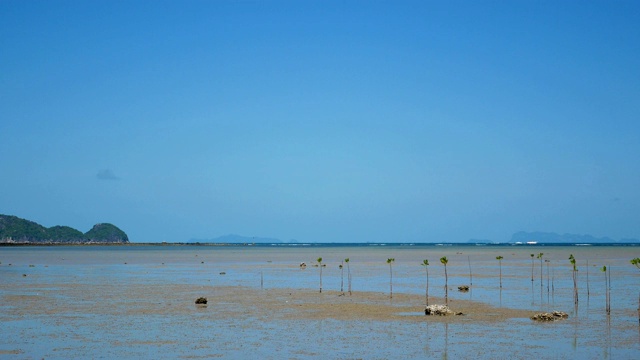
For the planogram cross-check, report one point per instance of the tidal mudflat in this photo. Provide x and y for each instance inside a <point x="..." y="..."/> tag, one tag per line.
<point x="138" y="302"/>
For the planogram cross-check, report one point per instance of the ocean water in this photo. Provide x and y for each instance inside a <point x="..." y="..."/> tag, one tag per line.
<point x="137" y="302"/>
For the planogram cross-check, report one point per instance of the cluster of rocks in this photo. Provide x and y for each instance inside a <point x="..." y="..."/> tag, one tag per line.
<point x="552" y="316"/>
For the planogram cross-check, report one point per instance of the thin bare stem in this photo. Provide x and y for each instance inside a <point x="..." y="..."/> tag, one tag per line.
<point x="320" y="265"/>
<point x="532" y="265"/>
<point x="348" y="275"/>
<point x="588" y="279"/>
<point x="342" y="278"/>
<point x="390" y="261"/>
<point x="470" y="276"/>
<point x="444" y="262"/>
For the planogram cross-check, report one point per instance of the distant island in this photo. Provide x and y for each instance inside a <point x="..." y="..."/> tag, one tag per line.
<point x="14" y="230"/>
<point x="554" y="238"/>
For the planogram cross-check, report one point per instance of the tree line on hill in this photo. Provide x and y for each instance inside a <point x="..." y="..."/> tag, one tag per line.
<point x="14" y="230"/>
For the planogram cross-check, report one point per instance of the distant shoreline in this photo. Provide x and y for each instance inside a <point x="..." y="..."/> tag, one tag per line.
<point x="294" y="245"/>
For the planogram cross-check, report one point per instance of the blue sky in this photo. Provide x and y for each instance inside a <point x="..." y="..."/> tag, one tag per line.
<point x="323" y="121"/>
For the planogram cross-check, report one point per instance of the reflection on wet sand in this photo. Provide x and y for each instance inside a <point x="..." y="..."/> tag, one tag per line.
<point x="93" y="304"/>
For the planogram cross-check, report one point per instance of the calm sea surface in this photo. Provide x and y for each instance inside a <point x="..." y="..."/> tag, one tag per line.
<point x="82" y="302"/>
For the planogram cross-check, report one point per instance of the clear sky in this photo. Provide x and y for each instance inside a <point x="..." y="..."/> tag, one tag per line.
<point x="322" y="121"/>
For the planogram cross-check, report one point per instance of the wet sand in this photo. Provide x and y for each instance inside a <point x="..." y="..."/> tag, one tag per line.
<point x="229" y="302"/>
<point x="78" y="303"/>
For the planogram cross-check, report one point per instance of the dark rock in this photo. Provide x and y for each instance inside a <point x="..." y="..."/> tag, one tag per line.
<point x="440" y="310"/>
<point x="201" y="301"/>
<point x="553" y="316"/>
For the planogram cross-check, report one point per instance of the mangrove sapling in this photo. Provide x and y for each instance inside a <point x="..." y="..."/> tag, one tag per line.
<point x="532" y="265"/>
<point x="348" y="275"/>
<point x="444" y="262"/>
<point x="540" y="258"/>
<point x="390" y="261"/>
<point x="499" y="258"/>
<point x="609" y="287"/>
<point x="342" y="278"/>
<point x="636" y="262"/>
<point x="607" y="291"/>
<point x="320" y="266"/>
<point x="425" y="263"/>
<point x="541" y="268"/>
<point x="575" y="279"/>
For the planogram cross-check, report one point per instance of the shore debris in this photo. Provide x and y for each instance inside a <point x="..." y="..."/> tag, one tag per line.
<point x="201" y="301"/>
<point x="440" y="310"/>
<point x="553" y="316"/>
<point x="463" y="288"/>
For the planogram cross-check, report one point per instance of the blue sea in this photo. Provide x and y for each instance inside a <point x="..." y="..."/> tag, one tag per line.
<point x="137" y="301"/>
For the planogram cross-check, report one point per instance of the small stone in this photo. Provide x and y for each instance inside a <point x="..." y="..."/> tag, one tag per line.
<point x="201" y="301"/>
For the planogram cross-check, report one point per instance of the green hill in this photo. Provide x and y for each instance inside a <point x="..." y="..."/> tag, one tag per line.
<point x="65" y="232"/>
<point x="106" y="233"/>
<point x="14" y="230"/>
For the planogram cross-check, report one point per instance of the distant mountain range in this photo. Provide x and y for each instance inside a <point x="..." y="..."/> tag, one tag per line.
<point x="14" y="230"/>
<point x="554" y="238"/>
<point x="239" y="239"/>
<point x="519" y="237"/>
